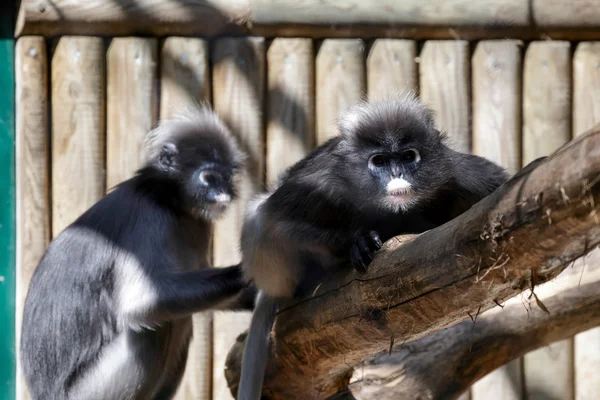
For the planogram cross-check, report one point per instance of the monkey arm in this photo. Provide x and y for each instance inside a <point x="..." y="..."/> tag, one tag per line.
<point x="170" y="295"/>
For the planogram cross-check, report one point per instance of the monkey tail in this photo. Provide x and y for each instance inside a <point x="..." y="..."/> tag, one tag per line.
<point x="254" y="359"/>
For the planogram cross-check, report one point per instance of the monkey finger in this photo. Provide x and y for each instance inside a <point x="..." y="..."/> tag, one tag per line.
<point x="365" y="251"/>
<point x="376" y="239"/>
<point x="357" y="261"/>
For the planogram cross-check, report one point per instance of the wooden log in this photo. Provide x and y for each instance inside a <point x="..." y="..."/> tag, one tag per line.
<point x="131" y="17"/>
<point x="523" y="234"/>
<point x="586" y="87"/>
<point x="497" y="136"/>
<point x="290" y="124"/>
<point x="340" y="76"/>
<point x="497" y="102"/>
<point x="132" y="96"/>
<point x="575" y="14"/>
<point x="78" y="128"/>
<point x="238" y="77"/>
<point x="185" y="82"/>
<point x="33" y="173"/>
<point x="546" y="98"/>
<point x="546" y="126"/>
<point x="391" y="12"/>
<point x="391" y="67"/>
<point x="444" y="86"/>
<point x="470" y="349"/>
<point x="439" y="19"/>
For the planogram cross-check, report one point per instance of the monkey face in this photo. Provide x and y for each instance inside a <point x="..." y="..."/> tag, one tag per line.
<point x="207" y="171"/>
<point x="394" y="174"/>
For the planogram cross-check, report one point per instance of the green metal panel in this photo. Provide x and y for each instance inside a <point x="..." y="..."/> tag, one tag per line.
<point x="7" y="203"/>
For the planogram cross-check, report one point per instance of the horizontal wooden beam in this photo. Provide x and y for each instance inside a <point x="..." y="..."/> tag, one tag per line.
<point x="520" y="236"/>
<point x="432" y="19"/>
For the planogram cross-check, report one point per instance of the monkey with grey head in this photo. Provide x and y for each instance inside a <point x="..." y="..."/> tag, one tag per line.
<point x="108" y="310"/>
<point x="388" y="173"/>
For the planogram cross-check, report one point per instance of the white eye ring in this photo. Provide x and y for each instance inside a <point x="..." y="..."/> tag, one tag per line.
<point x="415" y="152"/>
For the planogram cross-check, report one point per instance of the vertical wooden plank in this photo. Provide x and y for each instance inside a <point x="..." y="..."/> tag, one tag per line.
<point x="391" y="67"/>
<point x="586" y="87"/>
<point x="185" y="75"/>
<point x="505" y="383"/>
<point x="238" y="82"/>
<point x="33" y="173"/>
<point x="444" y="86"/>
<point x="546" y="98"/>
<point x="496" y="93"/>
<point x="340" y="75"/>
<point x="586" y="114"/>
<point x="78" y="127"/>
<point x="185" y="82"/>
<point x="7" y="201"/>
<point x="290" y="124"/>
<point x="131" y="104"/>
<point x="547" y="126"/>
<point x="497" y="102"/>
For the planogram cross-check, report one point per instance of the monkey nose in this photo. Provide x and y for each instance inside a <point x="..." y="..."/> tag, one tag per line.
<point x="209" y="177"/>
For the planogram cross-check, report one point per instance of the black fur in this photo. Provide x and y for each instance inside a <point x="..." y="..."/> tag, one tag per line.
<point x="108" y="311"/>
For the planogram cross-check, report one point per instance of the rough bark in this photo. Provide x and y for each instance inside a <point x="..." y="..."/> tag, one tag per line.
<point x="524" y="233"/>
<point x="445" y="364"/>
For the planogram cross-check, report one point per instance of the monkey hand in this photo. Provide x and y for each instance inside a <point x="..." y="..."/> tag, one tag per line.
<point x="363" y="249"/>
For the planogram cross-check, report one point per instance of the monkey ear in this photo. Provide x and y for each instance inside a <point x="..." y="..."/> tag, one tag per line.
<point x="167" y="158"/>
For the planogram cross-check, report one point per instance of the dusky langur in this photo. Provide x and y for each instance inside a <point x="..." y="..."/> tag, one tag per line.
<point x="388" y="173"/>
<point x="108" y="310"/>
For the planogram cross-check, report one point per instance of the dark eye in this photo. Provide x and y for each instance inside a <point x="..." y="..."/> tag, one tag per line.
<point x="377" y="160"/>
<point x="410" y="156"/>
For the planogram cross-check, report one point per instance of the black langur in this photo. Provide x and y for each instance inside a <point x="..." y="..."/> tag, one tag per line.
<point x="388" y="173"/>
<point x="108" y="311"/>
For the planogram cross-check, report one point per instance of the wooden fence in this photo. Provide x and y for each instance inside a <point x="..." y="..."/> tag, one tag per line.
<point x="84" y="104"/>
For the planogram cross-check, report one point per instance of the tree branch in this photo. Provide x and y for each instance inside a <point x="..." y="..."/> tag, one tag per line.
<point x="443" y="365"/>
<point x="523" y="234"/>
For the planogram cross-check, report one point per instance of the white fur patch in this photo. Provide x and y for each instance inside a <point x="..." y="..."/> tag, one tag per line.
<point x="223" y="198"/>
<point x="398" y="185"/>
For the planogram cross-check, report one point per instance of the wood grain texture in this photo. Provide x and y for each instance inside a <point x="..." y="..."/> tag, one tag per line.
<point x="238" y="78"/>
<point x="290" y="119"/>
<point x="586" y="114"/>
<point x="586" y="87"/>
<point x="132" y="17"/>
<point x="408" y="294"/>
<point x="546" y="126"/>
<point x="546" y="98"/>
<point x="413" y="370"/>
<point x="33" y="173"/>
<point x="185" y="82"/>
<point x="132" y="96"/>
<point x="496" y="90"/>
<point x="444" y="86"/>
<point x="185" y="75"/>
<point x="201" y="17"/>
<point x="340" y="79"/>
<point x="391" y="67"/>
<point x="78" y="128"/>
<point x="407" y="12"/>
<point x="566" y="14"/>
